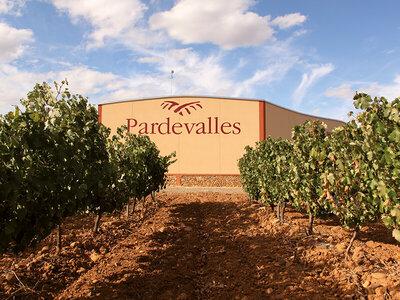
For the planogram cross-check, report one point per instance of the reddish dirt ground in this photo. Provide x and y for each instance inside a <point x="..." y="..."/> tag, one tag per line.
<point x="205" y="246"/>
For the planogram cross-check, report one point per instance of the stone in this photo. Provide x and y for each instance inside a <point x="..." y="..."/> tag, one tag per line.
<point x="341" y="247"/>
<point x="269" y="291"/>
<point x="370" y="244"/>
<point x="380" y="291"/>
<point x="45" y="249"/>
<point x="73" y="244"/>
<point x="378" y="275"/>
<point x="379" y="279"/>
<point x="95" y="257"/>
<point x="323" y="246"/>
<point x="366" y="284"/>
<point x="358" y="253"/>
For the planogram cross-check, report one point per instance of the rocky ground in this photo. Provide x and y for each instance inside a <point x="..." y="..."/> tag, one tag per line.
<point x="205" y="246"/>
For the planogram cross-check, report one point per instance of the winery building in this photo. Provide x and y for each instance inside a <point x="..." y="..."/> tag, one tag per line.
<point x="209" y="134"/>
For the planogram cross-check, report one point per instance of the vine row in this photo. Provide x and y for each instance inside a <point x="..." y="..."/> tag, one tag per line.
<point x="57" y="160"/>
<point x="352" y="172"/>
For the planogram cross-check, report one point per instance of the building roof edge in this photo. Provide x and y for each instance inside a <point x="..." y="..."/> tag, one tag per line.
<point x="219" y="97"/>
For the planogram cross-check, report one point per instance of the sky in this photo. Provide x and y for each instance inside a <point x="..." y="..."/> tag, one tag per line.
<point x="310" y="56"/>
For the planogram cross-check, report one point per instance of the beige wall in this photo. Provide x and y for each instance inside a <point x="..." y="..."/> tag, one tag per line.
<point x="279" y="121"/>
<point x="202" y="151"/>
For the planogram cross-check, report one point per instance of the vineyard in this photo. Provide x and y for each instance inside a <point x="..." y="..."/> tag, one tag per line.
<point x="205" y="246"/>
<point x="352" y="173"/>
<point x="58" y="161"/>
<point x="316" y="223"/>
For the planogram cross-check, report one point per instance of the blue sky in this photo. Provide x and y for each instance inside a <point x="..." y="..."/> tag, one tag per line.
<point x="310" y="56"/>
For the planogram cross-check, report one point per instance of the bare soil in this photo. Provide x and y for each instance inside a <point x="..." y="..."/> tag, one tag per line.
<point x="205" y="246"/>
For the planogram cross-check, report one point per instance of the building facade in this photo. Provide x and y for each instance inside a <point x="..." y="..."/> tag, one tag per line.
<point x="209" y="134"/>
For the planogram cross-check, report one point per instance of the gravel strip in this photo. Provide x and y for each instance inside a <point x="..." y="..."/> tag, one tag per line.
<point x="200" y="189"/>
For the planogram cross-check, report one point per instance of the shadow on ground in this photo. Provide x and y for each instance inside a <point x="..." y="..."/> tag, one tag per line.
<point x="216" y="250"/>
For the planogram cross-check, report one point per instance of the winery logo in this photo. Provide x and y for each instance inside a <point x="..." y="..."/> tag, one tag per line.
<point x="171" y="126"/>
<point x="183" y="108"/>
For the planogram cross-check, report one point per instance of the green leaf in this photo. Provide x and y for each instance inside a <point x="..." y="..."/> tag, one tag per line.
<point x="331" y="178"/>
<point x="388" y="222"/>
<point x="35" y="117"/>
<point x="370" y="155"/>
<point x="395" y="136"/>
<point x="382" y="191"/>
<point x="387" y="158"/>
<point x="395" y="213"/>
<point x="396" y="234"/>
<point x="313" y="153"/>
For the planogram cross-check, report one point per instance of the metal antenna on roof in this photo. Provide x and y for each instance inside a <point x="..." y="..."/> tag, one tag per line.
<point x="172" y="77"/>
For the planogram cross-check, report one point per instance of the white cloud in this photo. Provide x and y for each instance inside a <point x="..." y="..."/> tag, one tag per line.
<point x="140" y="86"/>
<point x="173" y="55"/>
<point x="85" y="81"/>
<point x="13" y="42"/>
<point x="16" y="83"/>
<point x="347" y="90"/>
<point x="275" y="61"/>
<point x="343" y="92"/>
<point x="6" y="6"/>
<point x="309" y="79"/>
<point x="300" y="32"/>
<point x="199" y="75"/>
<point x="272" y="72"/>
<point x="389" y="91"/>
<point x="148" y="60"/>
<point x="289" y="20"/>
<point x="82" y="80"/>
<point x="11" y="6"/>
<point x="226" y="23"/>
<point x="194" y="74"/>
<point x="119" y="20"/>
